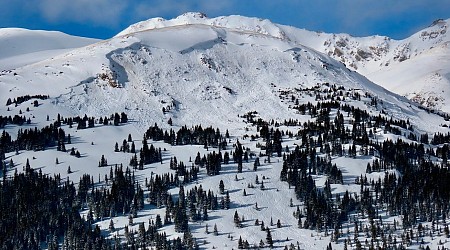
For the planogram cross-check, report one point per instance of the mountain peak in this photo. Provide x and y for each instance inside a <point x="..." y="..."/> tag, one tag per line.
<point x="439" y="21"/>
<point x="235" y="22"/>
<point x="195" y="15"/>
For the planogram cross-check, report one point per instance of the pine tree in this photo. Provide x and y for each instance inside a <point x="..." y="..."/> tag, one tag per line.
<point x="261" y="244"/>
<point x="227" y="200"/>
<point x="205" y="214"/>
<point x="256" y="164"/>
<point x="236" y="219"/>
<point x="130" y="219"/>
<point x="158" y="222"/>
<point x="221" y="187"/>
<point x="240" y="243"/>
<point x="103" y="162"/>
<point x="111" y="226"/>
<point x="269" y="239"/>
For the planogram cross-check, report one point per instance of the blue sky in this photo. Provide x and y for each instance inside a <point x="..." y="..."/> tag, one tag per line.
<point x="105" y="18"/>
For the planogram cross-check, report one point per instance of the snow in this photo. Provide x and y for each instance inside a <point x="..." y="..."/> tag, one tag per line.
<point x="214" y="73"/>
<point x="379" y="58"/>
<point x="22" y="47"/>
<point x="235" y="22"/>
<point x="201" y="71"/>
<point x="393" y="64"/>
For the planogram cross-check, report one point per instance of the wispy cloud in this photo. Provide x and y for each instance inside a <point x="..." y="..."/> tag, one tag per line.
<point x="366" y="17"/>
<point x="172" y="8"/>
<point x="107" y="16"/>
<point x="111" y="12"/>
<point x="99" y="12"/>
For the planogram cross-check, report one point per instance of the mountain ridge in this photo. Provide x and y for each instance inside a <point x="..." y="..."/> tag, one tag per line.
<point x="376" y="57"/>
<point x="201" y="67"/>
<point x="212" y="59"/>
<point x="21" y="47"/>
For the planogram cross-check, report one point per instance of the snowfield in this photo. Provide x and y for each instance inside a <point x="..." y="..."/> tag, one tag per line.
<point x="21" y="47"/>
<point x="385" y="61"/>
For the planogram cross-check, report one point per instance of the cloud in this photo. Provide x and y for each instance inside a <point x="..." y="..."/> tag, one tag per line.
<point x="105" y="13"/>
<point x="398" y="19"/>
<point x="97" y="12"/>
<point x="173" y="8"/>
<point x="364" y="17"/>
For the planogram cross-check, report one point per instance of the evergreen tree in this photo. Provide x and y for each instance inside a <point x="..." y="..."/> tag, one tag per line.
<point x="256" y="164"/>
<point x="269" y="239"/>
<point x="221" y="187"/>
<point x="111" y="226"/>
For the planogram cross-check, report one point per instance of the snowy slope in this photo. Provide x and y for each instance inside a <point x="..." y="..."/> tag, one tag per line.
<point x="241" y="23"/>
<point x="21" y="46"/>
<point x="385" y="61"/>
<point x="416" y="67"/>
<point x="205" y="71"/>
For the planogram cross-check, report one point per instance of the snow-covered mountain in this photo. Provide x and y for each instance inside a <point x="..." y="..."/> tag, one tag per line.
<point x="192" y="66"/>
<point x="416" y="67"/>
<point x="225" y="72"/>
<point x="20" y="47"/>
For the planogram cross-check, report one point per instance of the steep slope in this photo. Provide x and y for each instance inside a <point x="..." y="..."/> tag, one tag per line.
<point x="204" y="71"/>
<point x="393" y="64"/>
<point x="21" y="46"/>
<point x="416" y="67"/>
<point x="424" y="78"/>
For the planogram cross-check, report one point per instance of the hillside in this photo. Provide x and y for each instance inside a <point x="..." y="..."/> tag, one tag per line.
<point x="393" y="64"/>
<point x="389" y="63"/>
<point x="225" y="133"/>
<point x="229" y="69"/>
<point x="22" y="47"/>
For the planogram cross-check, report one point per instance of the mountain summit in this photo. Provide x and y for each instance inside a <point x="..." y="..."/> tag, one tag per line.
<point x="234" y="22"/>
